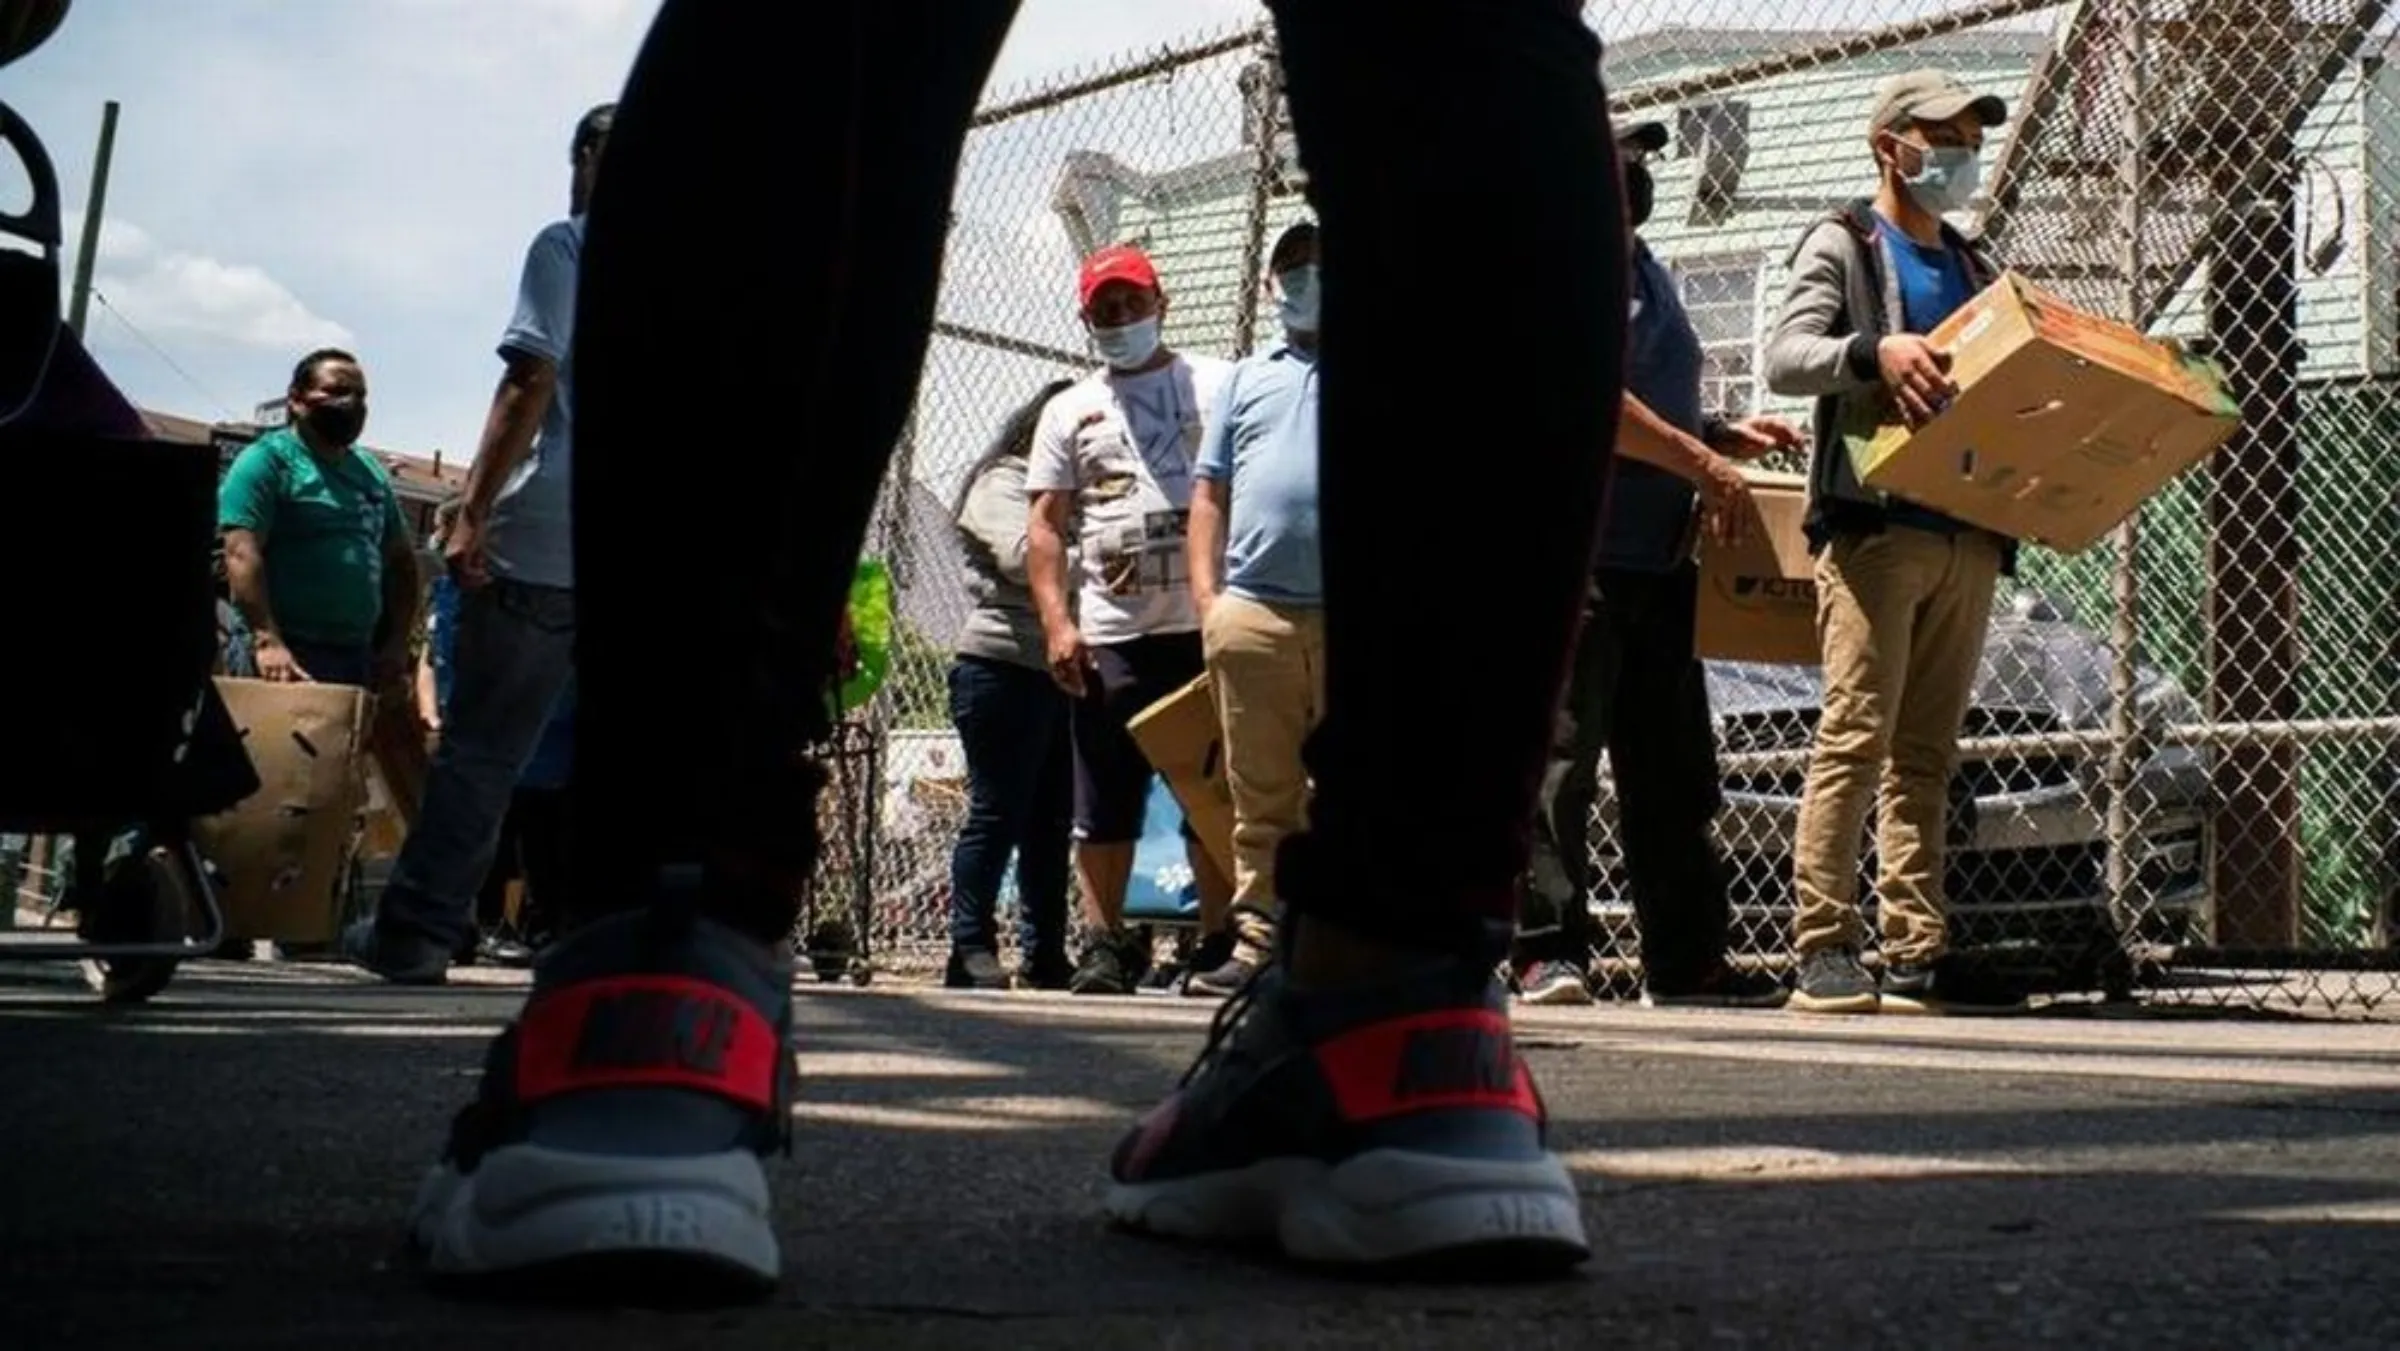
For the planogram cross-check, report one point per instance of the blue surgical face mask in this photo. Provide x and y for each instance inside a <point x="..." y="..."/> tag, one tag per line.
<point x="1129" y="346"/>
<point x="1947" y="178"/>
<point x="1297" y="298"/>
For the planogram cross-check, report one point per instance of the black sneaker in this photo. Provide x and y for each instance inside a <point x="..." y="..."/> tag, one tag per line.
<point x="1392" y="1126"/>
<point x="1214" y="951"/>
<point x="1110" y="965"/>
<point x="1725" y="987"/>
<point x="1046" y="971"/>
<point x="399" y="956"/>
<point x="1949" y="985"/>
<point x="614" y="1148"/>
<point x="1553" y="984"/>
<point x="974" y="969"/>
<point x="1226" y="978"/>
<point x="1832" y="981"/>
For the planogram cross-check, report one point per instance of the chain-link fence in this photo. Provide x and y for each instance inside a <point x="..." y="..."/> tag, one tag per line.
<point x="2179" y="773"/>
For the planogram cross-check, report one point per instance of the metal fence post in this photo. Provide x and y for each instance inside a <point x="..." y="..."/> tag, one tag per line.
<point x="2125" y="732"/>
<point x="1262" y="88"/>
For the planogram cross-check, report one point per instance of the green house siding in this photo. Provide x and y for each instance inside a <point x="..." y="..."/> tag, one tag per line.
<point x="1198" y="240"/>
<point x="1807" y="154"/>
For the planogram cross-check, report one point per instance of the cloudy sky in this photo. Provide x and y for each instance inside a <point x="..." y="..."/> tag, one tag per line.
<point x="290" y="174"/>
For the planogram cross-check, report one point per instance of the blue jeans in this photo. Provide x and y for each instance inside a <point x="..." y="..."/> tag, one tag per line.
<point x="1012" y="723"/>
<point x="514" y="656"/>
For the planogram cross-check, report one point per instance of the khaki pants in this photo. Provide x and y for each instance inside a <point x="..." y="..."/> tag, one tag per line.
<point x="1901" y="618"/>
<point x="1267" y="663"/>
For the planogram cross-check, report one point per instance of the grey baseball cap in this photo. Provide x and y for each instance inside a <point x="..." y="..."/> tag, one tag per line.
<point x="1931" y="96"/>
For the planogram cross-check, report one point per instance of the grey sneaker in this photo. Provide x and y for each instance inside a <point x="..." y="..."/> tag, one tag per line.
<point x="1111" y="965"/>
<point x="614" y="1148"/>
<point x="401" y="957"/>
<point x="975" y="969"/>
<point x="1832" y="981"/>
<point x="1553" y="984"/>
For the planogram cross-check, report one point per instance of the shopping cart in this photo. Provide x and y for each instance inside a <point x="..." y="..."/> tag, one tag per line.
<point x="120" y="740"/>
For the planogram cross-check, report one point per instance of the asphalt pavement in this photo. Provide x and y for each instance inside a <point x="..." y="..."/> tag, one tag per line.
<point x="227" y="1167"/>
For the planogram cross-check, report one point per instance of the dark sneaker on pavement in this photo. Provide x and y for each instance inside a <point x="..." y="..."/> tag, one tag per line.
<point x="1381" y="1128"/>
<point x="1552" y="984"/>
<point x="975" y="970"/>
<point x="399" y="956"/>
<point x="1726" y="987"/>
<point x="1948" y="985"/>
<point x="1111" y="965"/>
<point x="614" y="1149"/>
<point x="1209" y="955"/>
<point x="1227" y="978"/>
<point x="1045" y="971"/>
<point x="1833" y="981"/>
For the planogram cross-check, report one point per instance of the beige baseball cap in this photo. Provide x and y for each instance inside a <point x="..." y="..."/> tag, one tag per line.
<point x="1930" y="95"/>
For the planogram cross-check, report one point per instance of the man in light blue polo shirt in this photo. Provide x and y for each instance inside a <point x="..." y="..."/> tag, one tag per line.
<point x="1257" y="586"/>
<point x="511" y="553"/>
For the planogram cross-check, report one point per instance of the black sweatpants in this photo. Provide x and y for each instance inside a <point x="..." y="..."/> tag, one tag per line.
<point x="1639" y="694"/>
<point x="759" y="276"/>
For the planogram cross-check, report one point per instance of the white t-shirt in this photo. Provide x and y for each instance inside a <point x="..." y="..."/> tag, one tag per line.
<point x="1125" y="446"/>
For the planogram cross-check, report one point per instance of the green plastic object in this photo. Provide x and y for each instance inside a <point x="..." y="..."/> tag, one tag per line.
<point x="871" y="632"/>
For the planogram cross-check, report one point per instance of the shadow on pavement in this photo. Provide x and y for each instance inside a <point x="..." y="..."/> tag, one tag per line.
<point x="228" y="1167"/>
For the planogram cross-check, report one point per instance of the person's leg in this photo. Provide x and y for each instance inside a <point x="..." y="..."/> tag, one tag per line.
<point x="623" y="1116"/>
<point x="1261" y="669"/>
<point x="491" y="900"/>
<point x="544" y="841"/>
<point x="988" y="705"/>
<point x="1045" y="844"/>
<point x="1945" y="647"/>
<point x="1112" y="800"/>
<point x="515" y="650"/>
<point x="1554" y="940"/>
<point x="1868" y="589"/>
<point x="1663" y="749"/>
<point x="1369" y="1105"/>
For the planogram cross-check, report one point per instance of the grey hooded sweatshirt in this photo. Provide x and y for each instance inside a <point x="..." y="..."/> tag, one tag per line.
<point x="992" y="525"/>
<point x="1842" y="300"/>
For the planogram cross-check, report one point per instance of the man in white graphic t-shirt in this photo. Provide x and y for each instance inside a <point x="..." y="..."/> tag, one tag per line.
<point x="1112" y="468"/>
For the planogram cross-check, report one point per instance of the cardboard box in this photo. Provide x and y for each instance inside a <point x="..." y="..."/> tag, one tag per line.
<point x="1184" y="740"/>
<point x="283" y="849"/>
<point x="2064" y="423"/>
<point x="1758" y="599"/>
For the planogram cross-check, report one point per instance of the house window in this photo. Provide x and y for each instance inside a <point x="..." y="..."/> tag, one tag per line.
<point x="1721" y="296"/>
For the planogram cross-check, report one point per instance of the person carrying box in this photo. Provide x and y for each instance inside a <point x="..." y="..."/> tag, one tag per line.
<point x="1904" y="593"/>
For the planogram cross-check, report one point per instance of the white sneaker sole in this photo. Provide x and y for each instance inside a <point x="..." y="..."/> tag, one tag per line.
<point x="527" y="1208"/>
<point x="1382" y="1208"/>
<point x="1558" y="994"/>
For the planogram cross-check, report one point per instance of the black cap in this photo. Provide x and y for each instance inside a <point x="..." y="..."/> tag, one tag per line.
<point x="592" y="128"/>
<point x="1298" y="235"/>
<point x="1648" y="136"/>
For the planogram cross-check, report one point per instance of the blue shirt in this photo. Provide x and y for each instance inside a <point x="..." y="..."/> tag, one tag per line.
<point x="530" y="539"/>
<point x="1933" y="285"/>
<point x="1648" y="525"/>
<point x="554" y="758"/>
<point x="1261" y="441"/>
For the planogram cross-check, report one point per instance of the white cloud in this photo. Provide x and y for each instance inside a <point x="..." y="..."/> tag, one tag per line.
<point x="170" y="292"/>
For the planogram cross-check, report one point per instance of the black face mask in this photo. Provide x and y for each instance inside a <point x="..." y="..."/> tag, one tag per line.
<point x="337" y="424"/>
<point x="1641" y="194"/>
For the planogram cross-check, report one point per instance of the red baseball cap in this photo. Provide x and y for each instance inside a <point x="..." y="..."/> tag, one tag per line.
<point x="1117" y="262"/>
